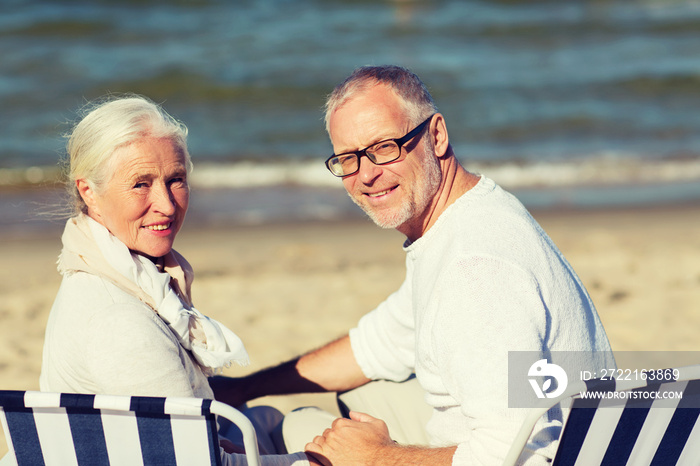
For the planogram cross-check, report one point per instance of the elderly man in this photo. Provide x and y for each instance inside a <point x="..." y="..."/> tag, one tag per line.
<point x="482" y="279"/>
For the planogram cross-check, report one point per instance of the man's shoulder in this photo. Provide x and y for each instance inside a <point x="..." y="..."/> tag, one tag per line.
<point x="493" y="214"/>
<point x="494" y="225"/>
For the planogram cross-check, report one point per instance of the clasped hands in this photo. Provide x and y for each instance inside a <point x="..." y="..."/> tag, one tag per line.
<point x="362" y="439"/>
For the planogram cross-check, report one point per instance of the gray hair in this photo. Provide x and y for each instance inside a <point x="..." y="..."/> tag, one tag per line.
<point x="417" y="101"/>
<point x="107" y="125"/>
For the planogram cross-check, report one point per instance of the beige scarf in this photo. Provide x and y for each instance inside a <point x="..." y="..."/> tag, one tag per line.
<point x="89" y="247"/>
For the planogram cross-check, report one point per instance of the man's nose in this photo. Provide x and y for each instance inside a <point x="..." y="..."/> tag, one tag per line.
<point x="368" y="171"/>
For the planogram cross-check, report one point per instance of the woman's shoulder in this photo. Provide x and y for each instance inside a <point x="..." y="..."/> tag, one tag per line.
<point x="84" y="290"/>
<point x="92" y="299"/>
<point x="94" y="308"/>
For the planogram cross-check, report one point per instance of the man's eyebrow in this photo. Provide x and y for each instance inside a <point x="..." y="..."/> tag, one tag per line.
<point x="354" y="151"/>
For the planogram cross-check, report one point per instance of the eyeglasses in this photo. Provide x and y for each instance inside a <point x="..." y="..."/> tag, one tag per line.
<point x="380" y="153"/>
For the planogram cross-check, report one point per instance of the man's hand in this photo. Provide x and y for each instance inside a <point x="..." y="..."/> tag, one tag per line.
<point x="363" y="439"/>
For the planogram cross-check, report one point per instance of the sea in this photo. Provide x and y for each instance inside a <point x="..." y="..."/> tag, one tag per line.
<point x="568" y="104"/>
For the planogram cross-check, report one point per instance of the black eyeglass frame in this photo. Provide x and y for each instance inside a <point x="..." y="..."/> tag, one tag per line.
<point x="363" y="152"/>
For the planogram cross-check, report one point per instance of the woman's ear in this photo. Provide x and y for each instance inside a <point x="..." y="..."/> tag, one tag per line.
<point x="438" y="132"/>
<point x="88" y="194"/>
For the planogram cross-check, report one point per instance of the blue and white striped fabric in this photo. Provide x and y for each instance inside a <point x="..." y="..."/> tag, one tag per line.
<point x="643" y="423"/>
<point x="77" y="429"/>
<point x="634" y="431"/>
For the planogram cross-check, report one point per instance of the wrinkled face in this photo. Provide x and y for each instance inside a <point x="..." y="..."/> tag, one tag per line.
<point x="145" y="202"/>
<point x="397" y="193"/>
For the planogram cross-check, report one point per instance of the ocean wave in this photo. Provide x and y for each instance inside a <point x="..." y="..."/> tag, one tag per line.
<point x="601" y="169"/>
<point x="605" y="169"/>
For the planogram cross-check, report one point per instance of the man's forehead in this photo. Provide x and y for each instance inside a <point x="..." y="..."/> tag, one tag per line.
<point x="378" y="94"/>
<point x="368" y="112"/>
<point x="364" y="133"/>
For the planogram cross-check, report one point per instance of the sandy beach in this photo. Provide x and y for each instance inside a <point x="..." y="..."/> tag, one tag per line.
<point x="288" y="288"/>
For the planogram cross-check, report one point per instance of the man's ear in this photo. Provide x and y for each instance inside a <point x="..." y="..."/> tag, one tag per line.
<point x="87" y="192"/>
<point x="438" y="133"/>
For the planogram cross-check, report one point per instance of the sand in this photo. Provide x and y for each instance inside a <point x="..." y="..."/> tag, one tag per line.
<point x="288" y="288"/>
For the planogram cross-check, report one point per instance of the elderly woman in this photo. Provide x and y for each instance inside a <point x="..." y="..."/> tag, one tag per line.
<point x="123" y="321"/>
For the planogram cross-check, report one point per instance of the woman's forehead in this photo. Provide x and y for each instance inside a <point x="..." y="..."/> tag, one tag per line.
<point x="149" y="156"/>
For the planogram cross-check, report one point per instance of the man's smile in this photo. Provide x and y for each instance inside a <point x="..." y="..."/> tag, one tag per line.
<point x="381" y="193"/>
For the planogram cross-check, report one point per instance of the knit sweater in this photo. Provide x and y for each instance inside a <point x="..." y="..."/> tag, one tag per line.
<point x="100" y="339"/>
<point x="484" y="280"/>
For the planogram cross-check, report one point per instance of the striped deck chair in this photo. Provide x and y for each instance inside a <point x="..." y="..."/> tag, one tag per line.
<point x="638" y="427"/>
<point x="65" y="429"/>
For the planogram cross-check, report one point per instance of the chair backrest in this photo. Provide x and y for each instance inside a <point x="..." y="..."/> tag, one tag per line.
<point x="76" y="429"/>
<point x="650" y="421"/>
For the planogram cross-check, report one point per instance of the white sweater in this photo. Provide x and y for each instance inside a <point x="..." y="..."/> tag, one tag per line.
<point x="100" y="339"/>
<point x="484" y="280"/>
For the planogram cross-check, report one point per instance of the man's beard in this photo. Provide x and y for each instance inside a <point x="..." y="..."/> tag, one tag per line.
<point x="415" y="202"/>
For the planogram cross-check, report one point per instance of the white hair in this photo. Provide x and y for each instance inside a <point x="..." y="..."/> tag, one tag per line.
<point x="417" y="101"/>
<point x="109" y="124"/>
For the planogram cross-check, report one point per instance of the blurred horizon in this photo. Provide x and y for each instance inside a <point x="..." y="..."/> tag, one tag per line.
<point x="535" y="94"/>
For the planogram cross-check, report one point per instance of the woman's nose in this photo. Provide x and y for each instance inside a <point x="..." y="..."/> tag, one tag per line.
<point x="163" y="200"/>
